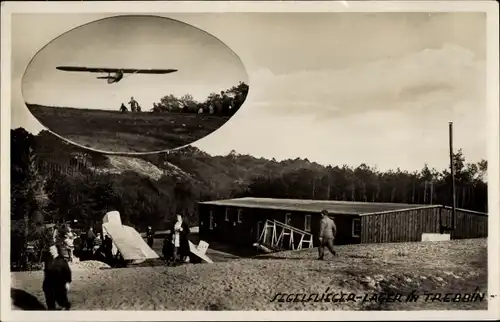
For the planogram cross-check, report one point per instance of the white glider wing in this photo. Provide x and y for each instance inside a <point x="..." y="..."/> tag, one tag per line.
<point x="126" y="239"/>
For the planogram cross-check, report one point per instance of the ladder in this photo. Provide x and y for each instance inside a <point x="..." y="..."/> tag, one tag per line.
<point x="278" y="231"/>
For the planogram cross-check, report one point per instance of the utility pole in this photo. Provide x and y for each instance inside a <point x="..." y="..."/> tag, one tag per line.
<point x="452" y="169"/>
<point x="432" y="191"/>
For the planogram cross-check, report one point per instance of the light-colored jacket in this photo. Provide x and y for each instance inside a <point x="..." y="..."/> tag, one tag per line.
<point x="327" y="228"/>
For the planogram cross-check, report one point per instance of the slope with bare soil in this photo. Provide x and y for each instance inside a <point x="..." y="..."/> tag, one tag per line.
<point x="119" y="164"/>
<point x="252" y="283"/>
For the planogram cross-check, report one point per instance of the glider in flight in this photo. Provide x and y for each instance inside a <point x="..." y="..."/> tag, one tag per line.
<point x="115" y="74"/>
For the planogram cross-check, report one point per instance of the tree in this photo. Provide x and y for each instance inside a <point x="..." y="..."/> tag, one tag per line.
<point x="170" y="103"/>
<point x="226" y="102"/>
<point x="239" y="93"/>
<point x="188" y="104"/>
<point x="28" y="197"/>
<point x="482" y="170"/>
<point x="69" y="189"/>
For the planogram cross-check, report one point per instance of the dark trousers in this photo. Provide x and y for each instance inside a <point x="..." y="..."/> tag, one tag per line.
<point x="328" y="243"/>
<point x="68" y="254"/>
<point x="57" y="295"/>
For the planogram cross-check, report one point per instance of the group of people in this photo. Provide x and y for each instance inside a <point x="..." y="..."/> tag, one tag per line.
<point x="134" y="106"/>
<point x="93" y="246"/>
<point x="88" y="245"/>
<point x="63" y="238"/>
<point x="58" y="275"/>
<point x="61" y="251"/>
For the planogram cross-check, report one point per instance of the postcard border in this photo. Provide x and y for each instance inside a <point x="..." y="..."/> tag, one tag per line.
<point x="122" y="7"/>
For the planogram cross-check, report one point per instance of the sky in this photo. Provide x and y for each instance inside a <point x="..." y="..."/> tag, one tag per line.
<point x="204" y="64"/>
<point x="336" y="88"/>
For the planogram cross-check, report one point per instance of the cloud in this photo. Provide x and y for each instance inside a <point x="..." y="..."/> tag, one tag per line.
<point x="374" y="88"/>
<point x="431" y="78"/>
<point x="389" y="113"/>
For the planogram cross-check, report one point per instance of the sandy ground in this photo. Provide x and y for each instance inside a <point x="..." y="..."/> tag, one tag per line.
<point x="216" y="252"/>
<point x="251" y="284"/>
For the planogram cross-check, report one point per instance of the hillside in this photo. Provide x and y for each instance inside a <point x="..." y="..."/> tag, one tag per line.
<point x="250" y="284"/>
<point x="120" y="164"/>
<point x="114" y="131"/>
<point x="150" y="189"/>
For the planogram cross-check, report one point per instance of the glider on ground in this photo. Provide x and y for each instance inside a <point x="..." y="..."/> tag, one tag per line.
<point x="115" y="74"/>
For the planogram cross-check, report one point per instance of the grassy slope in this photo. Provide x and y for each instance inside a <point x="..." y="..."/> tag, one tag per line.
<point x="249" y="284"/>
<point x="126" y="132"/>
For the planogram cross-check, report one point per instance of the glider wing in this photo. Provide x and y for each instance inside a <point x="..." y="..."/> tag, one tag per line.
<point x="115" y="70"/>
<point x="148" y="71"/>
<point x="87" y="69"/>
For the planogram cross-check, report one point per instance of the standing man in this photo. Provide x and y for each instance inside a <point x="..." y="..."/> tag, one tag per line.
<point x="90" y="240"/>
<point x="226" y="104"/>
<point x="57" y="280"/>
<point x="107" y="244"/>
<point x="150" y="237"/>
<point x="327" y="232"/>
<point x="97" y="244"/>
<point x="133" y="104"/>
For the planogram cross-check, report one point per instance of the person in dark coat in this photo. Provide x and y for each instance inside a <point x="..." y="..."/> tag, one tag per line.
<point x="108" y="249"/>
<point x="179" y="238"/>
<point x="90" y="240"/>
<point x="150" y="236"/>
<point x="168" y="248"/>
<point x="57" y="280"/>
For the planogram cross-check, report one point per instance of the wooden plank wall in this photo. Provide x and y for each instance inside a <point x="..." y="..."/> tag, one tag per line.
<point x="468" y="224"/>
<point x="245" y="233"/>
<point x="408" y="225"/>
<point x="397" y="226"/>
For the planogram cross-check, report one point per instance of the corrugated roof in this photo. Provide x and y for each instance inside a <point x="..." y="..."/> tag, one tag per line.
<point x="314" y="206"/>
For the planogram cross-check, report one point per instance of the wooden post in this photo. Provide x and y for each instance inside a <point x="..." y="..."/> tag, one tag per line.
<point x="452" y="169"/>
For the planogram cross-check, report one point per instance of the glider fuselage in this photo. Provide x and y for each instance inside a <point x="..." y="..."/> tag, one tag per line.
<point x="115" y="78"/>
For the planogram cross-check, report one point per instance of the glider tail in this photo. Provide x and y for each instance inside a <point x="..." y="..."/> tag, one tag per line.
<point x="202" y="247"/>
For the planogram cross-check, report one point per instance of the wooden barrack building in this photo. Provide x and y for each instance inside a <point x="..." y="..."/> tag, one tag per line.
<point x="242" y="221"/>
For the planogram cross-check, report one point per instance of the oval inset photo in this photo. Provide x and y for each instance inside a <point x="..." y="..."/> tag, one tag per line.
<point x="134" y="84"/>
